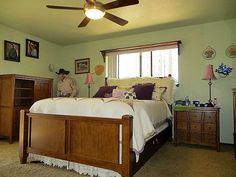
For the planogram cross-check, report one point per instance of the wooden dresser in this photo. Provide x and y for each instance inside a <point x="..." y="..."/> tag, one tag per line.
<point x="234" y="111"/>
<point x="19" y="92"/>
<point x="199" y="125"/>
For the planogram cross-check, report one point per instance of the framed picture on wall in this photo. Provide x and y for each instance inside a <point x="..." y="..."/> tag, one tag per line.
<point x="32" y="48"/>
<point x="11" y="51"/>
<point x="82" y="66"/>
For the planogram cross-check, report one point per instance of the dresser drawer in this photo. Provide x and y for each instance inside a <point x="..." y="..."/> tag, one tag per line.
<point x="195" y="138"/>
<point x="195" y="127"/>
<point x="211" y="128"/>
<point x="210" y="117"/>
<point x="181" y="116"/>
<point x="209" y="139"/>
<point x="181" y="137"/>
<point x="195" y="116"/>
<point x="182" y="125"/>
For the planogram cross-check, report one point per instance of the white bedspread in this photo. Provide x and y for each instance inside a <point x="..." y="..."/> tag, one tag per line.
<point x="147" y="114"/>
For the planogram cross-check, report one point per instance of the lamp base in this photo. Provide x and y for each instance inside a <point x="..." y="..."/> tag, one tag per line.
<point x="210" y="104"/>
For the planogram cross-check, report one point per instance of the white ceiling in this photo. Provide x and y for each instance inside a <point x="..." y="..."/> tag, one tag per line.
<point x="60" y="26"/>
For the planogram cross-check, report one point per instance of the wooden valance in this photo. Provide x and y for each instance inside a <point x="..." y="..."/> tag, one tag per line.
<point x="146" y="46"/>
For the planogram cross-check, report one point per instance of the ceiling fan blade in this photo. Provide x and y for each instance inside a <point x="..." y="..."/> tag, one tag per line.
<point x="119" y="3"/>
<point x="115" y="19"/>
<point x="64" y="7"/>
<point x="84" y="22"/>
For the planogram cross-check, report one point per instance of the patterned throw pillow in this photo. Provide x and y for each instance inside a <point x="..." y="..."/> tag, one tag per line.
<point x="117" y="93"/>
<point x="130" y="95"/>
<point x="158" y="93"/>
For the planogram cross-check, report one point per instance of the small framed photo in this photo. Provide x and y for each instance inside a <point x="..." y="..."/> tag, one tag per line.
<point x="11" y="51"/>
<point x="32" y="48"/>
<point x="82" y="66"/>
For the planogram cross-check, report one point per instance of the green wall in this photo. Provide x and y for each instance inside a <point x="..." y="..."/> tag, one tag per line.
<point x="195" y="39"/>
<point x="48" y="53"/>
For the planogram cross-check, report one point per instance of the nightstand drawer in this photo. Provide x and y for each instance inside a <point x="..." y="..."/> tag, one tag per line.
<point x="195" y="116"/>
<point x="182" y="116"/>
<point x="210" y="117"/>
<point x="181" y="136"/>
<point x="195" y="127"/>
<point x="211" y="128"/>
<point x="182" y="125"/>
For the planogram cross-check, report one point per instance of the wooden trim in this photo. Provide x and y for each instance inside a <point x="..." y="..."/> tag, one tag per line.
<point x="23" y="141"/>
<point x="162" y="44"/>
<point x="25" y="77"/>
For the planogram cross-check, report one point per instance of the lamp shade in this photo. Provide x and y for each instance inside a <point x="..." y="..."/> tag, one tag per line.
<point x="89" y="79"/>
<point x="209" y="73"/>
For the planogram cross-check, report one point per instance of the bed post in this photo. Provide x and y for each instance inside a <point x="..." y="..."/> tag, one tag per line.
<point x="106" y="80"/>
<point x="127" y="132"/>
<point x="23" y="139"/>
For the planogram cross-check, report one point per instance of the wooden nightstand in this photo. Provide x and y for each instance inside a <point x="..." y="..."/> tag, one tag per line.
<point x="198" y="125"/>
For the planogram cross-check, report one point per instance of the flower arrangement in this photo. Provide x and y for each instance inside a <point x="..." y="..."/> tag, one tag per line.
<point x="223" y="70"/>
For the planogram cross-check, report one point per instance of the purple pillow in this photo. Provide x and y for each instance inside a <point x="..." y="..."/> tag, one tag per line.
<point x="144" y="91"/>
<point x="104" y="90"/>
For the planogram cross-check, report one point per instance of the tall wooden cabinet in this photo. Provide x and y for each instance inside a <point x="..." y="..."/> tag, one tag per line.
<point x="234" y="110"/>
<point x="19" y="92"/>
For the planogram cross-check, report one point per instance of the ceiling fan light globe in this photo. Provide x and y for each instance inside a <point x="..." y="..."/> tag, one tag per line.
<point x="94" y="10"/>
<point x="94" y="14"/>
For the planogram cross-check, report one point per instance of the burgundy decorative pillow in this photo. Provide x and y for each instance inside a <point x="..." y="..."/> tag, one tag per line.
<point x="144" y="91"/>
<point x="104" y="90"/>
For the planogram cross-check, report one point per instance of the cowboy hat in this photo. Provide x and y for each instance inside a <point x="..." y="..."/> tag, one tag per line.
<point x="62" y="71"/>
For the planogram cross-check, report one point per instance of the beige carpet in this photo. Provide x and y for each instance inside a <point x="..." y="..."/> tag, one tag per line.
<point x="169" y="161"/>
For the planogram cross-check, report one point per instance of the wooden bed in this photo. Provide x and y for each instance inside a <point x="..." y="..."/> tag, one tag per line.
<point x="91" y="141"/>
<point x="98" y="144"/>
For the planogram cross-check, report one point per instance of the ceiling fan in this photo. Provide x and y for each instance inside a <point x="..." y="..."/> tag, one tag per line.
<point x="96" y="10"/>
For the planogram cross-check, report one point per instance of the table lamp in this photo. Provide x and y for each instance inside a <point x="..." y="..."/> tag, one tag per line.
<point x="209" y="75"/>
<point x="89" y="81"/>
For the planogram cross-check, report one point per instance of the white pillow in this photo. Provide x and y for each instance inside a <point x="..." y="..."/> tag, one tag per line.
<point x="158" y="93"/>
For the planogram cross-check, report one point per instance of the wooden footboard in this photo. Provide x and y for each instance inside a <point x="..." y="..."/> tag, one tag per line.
<point x="87" y="140"/>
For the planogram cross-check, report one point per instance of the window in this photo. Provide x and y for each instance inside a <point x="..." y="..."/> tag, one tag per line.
<point x="143" y="61"/>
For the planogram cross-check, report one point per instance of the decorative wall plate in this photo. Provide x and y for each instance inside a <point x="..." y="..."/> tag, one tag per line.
<point x="99" y="69"/>
<point x="209" y="53"/>
<point x="231" y="51"/>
